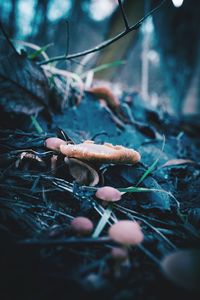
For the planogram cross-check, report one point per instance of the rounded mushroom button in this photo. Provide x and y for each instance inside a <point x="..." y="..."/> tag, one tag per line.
<point x="82" y="226"/>
<point x="126" y="232"/>
<point x="108" y="194"/>
<point x="54" y="143"/>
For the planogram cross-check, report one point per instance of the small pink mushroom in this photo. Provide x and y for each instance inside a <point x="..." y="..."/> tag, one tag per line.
<point x="108" y="194"/>
<point x="120" y="261"/>
<point x="127" y="233"/>
<point x="54" y="143"/>
<point x="82" y="226"/>
<point x="119" y="254"/>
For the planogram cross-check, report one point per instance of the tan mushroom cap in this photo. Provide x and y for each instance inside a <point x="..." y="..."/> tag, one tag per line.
<point x="108" y="193"/>
<point x="82" y="226"/>
<point x="104" y="92"/>
<point x="106" y="153"/>
<point x="126" y="233"/>
<point x="53" y="143"/>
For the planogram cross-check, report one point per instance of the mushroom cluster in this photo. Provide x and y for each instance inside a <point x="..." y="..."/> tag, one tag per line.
<point x="83" y="158"/>
<point x="89" y="151"/>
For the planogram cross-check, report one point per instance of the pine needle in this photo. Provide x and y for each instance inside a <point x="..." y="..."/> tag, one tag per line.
<point x="102" y="222"/>
<point x="36" y="125"/>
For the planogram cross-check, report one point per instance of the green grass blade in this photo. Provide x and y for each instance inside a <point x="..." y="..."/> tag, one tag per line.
<point x="152" y="167"/>
<point x="38" y="52"/>
<point x="36" y="125"/>
<point x="102" y="222"/>
<point x="135" y="189"/>
<point x="104" y="66"/>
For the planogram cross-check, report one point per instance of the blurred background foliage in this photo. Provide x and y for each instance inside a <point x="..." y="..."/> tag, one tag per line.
<point x="162" y="58"/>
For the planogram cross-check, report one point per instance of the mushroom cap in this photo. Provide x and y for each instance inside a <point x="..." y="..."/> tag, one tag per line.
<point x="106" y="153"/>
<point x="108" y="193"/>
<point x="126" y="232"/>
<point x="183" y="268"/>
<point x="54" y="143"/>
<point x="82" y="226"/>
<point x="104" y="92"/>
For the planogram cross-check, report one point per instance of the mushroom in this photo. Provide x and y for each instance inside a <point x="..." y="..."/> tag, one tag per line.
<point x="127" y="233"/>
<point x="183" y="268"/>
<point x="105" y="93"/>
<point x="82" y="226"/>
<point x="82" y="172"/>
<point x="54" y="160"/>
<point x="120" y="261"/>
<point x="119" y="254"/>
<point x="108" y="194"/>
<point x="106" y="153"/>
<point x="54" y="143"/>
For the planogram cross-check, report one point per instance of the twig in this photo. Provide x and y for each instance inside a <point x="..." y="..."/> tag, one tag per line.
<point x="123" y="15"/>
<point x="105" y="43"/>
<point x="67" y="47"/>
<point x="65" y="242"/>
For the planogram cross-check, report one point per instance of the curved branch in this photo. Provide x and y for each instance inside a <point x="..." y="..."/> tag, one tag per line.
<point x="105" y="43"/>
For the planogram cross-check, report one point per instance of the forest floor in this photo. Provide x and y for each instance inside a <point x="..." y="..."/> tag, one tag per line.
<point x="40" y="256"/>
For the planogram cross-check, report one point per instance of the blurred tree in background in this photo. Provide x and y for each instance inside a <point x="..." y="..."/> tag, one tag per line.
<point x="162" y="58"/>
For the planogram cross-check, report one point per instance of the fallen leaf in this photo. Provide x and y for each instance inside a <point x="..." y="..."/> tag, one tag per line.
<point x="175" y="162"/>
<point x="23" y="85"/>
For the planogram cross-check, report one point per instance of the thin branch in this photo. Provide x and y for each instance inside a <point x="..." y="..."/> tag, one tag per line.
<point x="67" y="47"/>
<point x="105" y="43"/>
<point x="65" y="242"/>
<point x="124" y="15"/>
<point x="7" y="38"/>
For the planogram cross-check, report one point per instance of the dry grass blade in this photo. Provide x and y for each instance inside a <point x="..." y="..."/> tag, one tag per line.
<point x="103" y="221"/>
